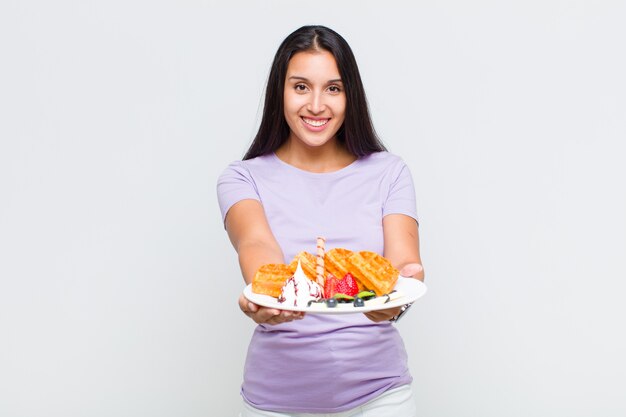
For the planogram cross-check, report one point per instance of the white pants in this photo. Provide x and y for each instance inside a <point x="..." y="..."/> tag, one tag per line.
<point x="397" y="402"/>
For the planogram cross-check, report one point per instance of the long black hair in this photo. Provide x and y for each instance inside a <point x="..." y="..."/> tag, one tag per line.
<point x="357" y="132"/>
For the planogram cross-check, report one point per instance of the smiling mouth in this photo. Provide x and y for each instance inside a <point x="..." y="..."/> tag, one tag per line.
<point x="315" y="123"/>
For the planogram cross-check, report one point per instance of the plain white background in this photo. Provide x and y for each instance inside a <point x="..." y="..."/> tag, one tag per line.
<point x="118" y="285"/>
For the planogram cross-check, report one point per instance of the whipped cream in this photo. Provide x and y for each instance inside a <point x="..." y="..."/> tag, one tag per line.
<point x="299" y="290"/>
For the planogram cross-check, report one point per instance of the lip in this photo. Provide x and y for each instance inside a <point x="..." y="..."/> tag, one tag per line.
<point x="315" y="128"/>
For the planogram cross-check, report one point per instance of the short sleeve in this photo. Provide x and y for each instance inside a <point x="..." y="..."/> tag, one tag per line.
<point x="401" y="197"/>
<point x="233" y="185"/>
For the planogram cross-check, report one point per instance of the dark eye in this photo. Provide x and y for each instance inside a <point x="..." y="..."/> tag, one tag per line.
<point x="300" y="87"/>
<point x="334" y="89"/>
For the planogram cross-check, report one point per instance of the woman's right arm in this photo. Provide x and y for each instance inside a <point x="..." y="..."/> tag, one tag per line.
<point x="252" y="238"/>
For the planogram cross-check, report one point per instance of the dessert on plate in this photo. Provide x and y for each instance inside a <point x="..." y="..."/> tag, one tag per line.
<point x="299" y="289"/>
<point x="328" y="279"/>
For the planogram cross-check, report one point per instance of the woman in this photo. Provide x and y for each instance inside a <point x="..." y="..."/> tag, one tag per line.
<point x="317" y="168"/>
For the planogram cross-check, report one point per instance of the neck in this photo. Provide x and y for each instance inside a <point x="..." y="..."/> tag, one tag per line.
<point x="331" y="156"/>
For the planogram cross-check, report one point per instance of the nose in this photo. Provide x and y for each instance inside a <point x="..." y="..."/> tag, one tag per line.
<point x="316" y="103"/>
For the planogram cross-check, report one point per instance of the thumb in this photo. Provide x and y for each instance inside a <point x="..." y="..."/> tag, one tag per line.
<point x="410" y="270"/>
<point x="246" y="305"/>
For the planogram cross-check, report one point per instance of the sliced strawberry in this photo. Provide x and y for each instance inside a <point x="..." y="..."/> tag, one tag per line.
<point x="353" y="287"/>
<point x="330" y="286"/>
<point x="347" y="285"/>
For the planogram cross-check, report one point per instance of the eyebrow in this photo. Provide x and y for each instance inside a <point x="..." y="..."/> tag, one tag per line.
<point x="296" y="77"/>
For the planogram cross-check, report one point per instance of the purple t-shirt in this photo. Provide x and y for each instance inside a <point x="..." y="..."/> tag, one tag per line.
<point x="323" y="363"/>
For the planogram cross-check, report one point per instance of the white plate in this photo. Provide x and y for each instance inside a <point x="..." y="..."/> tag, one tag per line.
<point x="410" y="288"/>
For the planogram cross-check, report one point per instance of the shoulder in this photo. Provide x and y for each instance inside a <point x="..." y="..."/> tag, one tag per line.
<point x="383" y="158"/>
<point x="390" y="171"/>
<point x="239" y="181"/>
<point x="246" y="168"/>
<point x="383" y="162"/>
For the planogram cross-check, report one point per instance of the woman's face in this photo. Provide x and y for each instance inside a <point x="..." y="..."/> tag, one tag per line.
<point x="314" y="98"/>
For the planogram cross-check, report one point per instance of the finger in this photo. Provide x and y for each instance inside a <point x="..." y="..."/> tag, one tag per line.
<point x="247" y="306"/>
<point x="294" y="315"/>
<point x="242" y="301"/>
<point x="243" y="305"/>
<point x="383" y="315"/>
<point x="263" y="315"/>
<point x="375" y="317"/>
<point x="279" y="319"/>
<point x="410" y="270"/>
<point x="286" y="316"/>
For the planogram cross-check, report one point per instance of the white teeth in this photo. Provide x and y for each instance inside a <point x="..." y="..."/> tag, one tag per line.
<point x="316" y="123"/>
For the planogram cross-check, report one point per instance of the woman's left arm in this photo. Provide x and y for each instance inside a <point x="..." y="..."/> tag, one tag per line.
<point x="401" y="240"/>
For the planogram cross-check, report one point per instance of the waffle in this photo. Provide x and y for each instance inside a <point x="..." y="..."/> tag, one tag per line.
<point x="336" y="262"/>
<point x="373" y="272"/>
<point x="308" y="263"/>
<point x="270" y="278"/>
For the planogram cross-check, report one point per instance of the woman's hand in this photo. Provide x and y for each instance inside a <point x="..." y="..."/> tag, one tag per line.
<point x="264" y="315"/>
<point x="409" y="270"/>
<point x="383" y="315"/>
